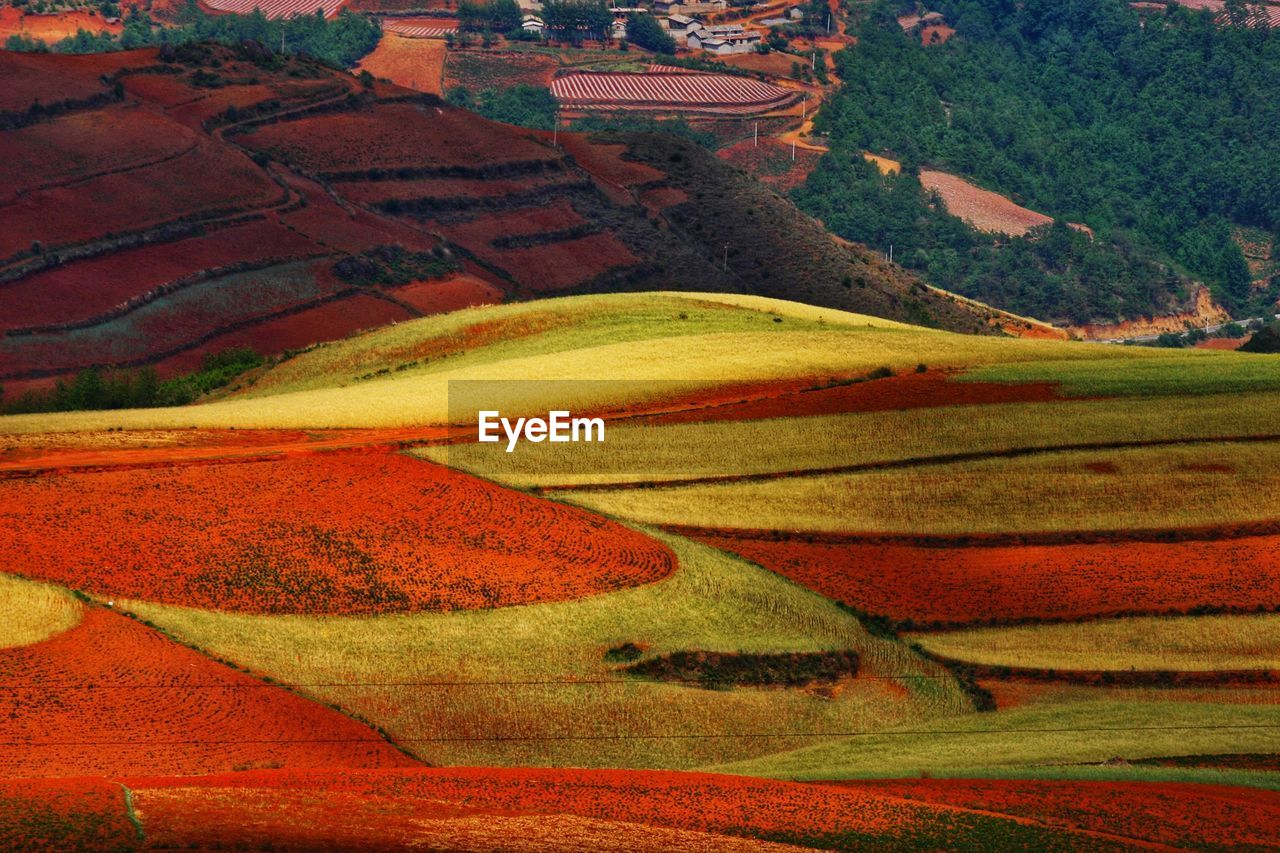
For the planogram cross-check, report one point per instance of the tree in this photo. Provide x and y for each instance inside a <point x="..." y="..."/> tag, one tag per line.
<point x="645" y="31"/>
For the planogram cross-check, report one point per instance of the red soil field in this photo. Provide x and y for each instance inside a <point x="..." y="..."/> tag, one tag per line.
<point x="478" y="70"/>
<point x="95" y="451"/>
<point x="771" y="161"/>
<point x="936" y="34"/>
<point x="88" y="288"/>
<point x="445" y="189"/>
<point x="701" y="802"/>
<point x="606" y="163"/>
<point x="555" y="215"/>
<point x="342" y="229"/>
<point x="51" y="28"/>
<point x="450" y="294"/>
<point x="1182" y="815"/>
<point x="333" y="533"/>
<point x="249" y="818"/>
<point x="31" y="77"/>
<point x="415" y="63"/>
<point x="69" y="148"/>
<point x="205" y="181"/>
<point x="113" y="697"/>
<point x="393" y="135"/>
<point x="326" y="322"/>
<point x="983" y="209"/>
<point x="972" y="584"/>
<point x="1227" y="344"/>
<point x="66" y="814"/>
<point x="556" y="266"/>
<point x="801" y="398"/>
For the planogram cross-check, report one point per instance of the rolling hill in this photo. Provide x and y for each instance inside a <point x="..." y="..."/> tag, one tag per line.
<point x="435" y="632"/>
<point x="212" y="198"/>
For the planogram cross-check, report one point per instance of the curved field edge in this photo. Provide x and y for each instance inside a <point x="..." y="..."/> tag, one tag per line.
<point x="1043" y="737"/>
<point x="1129" y="489"/>
<point x="532" y="685"/>
<point x="31" y="612"/>
<point x="674" y="453"/>
<point x="1170" y="643"/>
<point x="358" y="533"/>
<point x="758" y="345"/>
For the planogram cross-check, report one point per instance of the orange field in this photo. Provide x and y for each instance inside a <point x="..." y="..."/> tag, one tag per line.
<point x="1182" y="815"/>
<point x="64" y="814"/>
<point x="331" y="533"/>
<point x="449" y="294"/>
<point x="113" y="697"/>
<point x="243" y="810"/>
<point x="410" y="62"/>
<point x="983" y="209"/>
<point x="910" y="582"/>
<point x="51" y="28"/>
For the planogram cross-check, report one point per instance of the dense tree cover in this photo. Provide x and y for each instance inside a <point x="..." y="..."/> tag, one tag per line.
<point x="1265" y="340"/>
<point x="93" y="388"/>
<point x="575" y="20"/>
<point x="339" y="42"/>
<point x="645" y="31"/>
<point x="1166" y="132"/>
<point x="1054" y="272"/>
<point x="523" y="105"/>
<point x="501" y="16"/>
<point x="680" y="127"/>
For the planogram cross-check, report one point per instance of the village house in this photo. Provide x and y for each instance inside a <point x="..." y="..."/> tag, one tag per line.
<point x="703" y="7"/>
<point x="681" y="25"/>
<point x="533" y="24"/>
<point x="724" y="40"/>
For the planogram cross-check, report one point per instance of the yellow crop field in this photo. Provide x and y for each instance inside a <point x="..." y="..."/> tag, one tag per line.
<point x="1187" y="643"/>
<point x="465" y="687"/>
<point x="1146" y="488"/>
<point x="1076" y="733"/>
<point x="31" y="612"/>
<point x="640" y="453"/>
<point x="399" y="376"/>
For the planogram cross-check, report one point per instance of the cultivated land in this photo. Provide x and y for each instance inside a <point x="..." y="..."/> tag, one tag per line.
<point x="340" y="611"/>
<point x="212" y="199"/>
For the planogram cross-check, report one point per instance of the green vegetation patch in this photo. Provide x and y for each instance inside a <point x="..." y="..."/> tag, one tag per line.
<point x="724" y="669"/>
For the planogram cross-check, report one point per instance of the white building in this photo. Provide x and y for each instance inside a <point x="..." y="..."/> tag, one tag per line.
<point x="533" y="24"/>
<point x="724" y="40"/>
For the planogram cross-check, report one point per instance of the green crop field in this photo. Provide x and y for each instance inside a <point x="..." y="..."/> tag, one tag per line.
<point x="1181" y="644"/>
<point x="1034" y="736"/>
<point x="514" y="685"/>
<point x="1132" y="489"/>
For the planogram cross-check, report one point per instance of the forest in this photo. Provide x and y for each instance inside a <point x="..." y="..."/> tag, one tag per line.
<point x="339" y="42"/>
<point x="1160" y="133"/>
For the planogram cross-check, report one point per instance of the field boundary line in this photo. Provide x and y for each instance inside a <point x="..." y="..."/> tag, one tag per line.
<point x="907" y="462"/>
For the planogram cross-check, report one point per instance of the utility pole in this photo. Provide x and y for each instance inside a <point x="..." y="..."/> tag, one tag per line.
<point x="828" y="23"/>
<point x="890" y="253"/>
<point x="726" y="258"/>
<point x="804" y="107"/>
<point x="755" y="138"/>
<point x="813" y="60"/>
<point x="793" y="149"/>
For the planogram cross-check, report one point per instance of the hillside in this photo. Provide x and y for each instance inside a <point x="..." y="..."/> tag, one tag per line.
<point x="317" y="611"/>
<point x="216" y="198"/>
